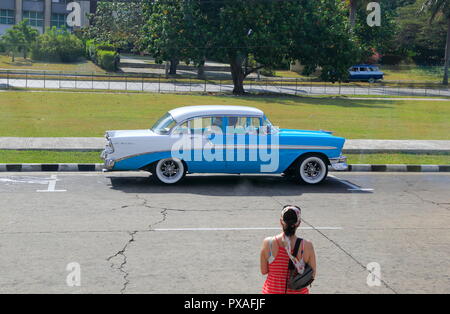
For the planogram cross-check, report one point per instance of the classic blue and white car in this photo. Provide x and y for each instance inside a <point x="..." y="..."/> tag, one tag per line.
<point x="223" y="139"/>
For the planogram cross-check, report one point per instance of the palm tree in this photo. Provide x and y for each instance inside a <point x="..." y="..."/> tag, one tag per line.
<point x="353" y="6"/>
<point x="441" y="8"/>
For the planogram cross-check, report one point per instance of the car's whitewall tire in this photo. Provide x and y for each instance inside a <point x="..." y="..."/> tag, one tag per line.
<point x="169" y="170"/>
<point x="312" y="169"/>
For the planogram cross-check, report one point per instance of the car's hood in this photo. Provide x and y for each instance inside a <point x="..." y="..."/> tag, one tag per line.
<point x="129" y="133"/>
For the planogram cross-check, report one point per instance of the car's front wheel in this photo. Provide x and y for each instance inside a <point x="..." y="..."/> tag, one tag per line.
<point x="169" y="170"/>
<point x="312" y="169"/>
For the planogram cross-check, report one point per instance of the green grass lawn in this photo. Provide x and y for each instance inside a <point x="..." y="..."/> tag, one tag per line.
<point x="33" y="156"/>
<point x="27" y="64"/>
<point x="429" y="74"/>
<point x="53" y="114"/>
<point x="409" y="159"/>
<point x="11" y="156"/>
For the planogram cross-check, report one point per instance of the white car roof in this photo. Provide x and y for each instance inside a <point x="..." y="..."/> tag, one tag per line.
<point x="183" y="113"/>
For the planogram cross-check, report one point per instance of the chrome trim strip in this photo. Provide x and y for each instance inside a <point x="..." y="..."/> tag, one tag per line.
<point x="281" y="147"/>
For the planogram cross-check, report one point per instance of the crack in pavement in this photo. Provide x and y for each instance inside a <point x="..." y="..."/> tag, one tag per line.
<point x="438" y="204"/>
<point x="122" y="266"/>
<point x="151" y="228"/>
<point x="144" y="203"/>
<point x="342" y="249"/>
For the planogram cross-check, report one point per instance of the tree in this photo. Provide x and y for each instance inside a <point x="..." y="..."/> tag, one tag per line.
<point x="13" y="40"/>
<point x="441" y="8"/>
<point x="244" y="30"/>
<point x="175" y="31"/>
<point x="57" y="45"/>
<point x="313" y="32"/>
<point x="326" y="42"/>
<point x="416" y="39"/>
<point x="20" y="38"/>
<point x="376" y="38"/>
<point x="118" y="23"/>
<point x="252" y="34"/>
<point x="353" y="7"/>
<point x="166" y="29"/>
<point x="29" y="35"/>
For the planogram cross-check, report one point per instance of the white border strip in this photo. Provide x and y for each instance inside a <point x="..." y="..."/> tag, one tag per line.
<point x="352" y="187"/>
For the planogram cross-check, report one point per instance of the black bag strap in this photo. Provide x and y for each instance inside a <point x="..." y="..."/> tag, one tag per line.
<point x="295" y="253"/>
<point x="291" y="265"/>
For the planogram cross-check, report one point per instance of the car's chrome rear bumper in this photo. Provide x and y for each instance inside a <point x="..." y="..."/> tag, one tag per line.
<point x="339" y="164"/>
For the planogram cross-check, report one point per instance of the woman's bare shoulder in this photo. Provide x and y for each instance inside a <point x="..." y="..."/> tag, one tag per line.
<point x="266" y="241"/>
<point x="308" y="244"/>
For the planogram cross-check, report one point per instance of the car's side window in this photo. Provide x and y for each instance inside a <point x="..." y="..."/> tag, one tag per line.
<point x="206" y="125"/>
<point x="217" y="122"/>
<point x="200" y="123"/>
<point x="243" y="125"/>
<point x="181" y="129"/>
<point x="236" y="125"/>
<point x="253" y="125"/>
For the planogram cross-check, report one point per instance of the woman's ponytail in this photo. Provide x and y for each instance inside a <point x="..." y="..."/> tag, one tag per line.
<point x="290" y="223"/>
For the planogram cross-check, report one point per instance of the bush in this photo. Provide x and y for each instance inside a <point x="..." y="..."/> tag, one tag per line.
<point x="267" y="72"/>
<point x="108" y="60"/>
<point x="91" y="48"/>
<point x="2" y="46"/>
<point x="391" y="59"/>
<point x="96" y="53"/>
<point x="103" y="54"/>
<point x="57" y="45"/>
<point x="106" y="46"/>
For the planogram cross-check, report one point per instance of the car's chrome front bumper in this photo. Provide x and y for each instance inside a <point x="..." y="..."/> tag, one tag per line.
<point x="109" y="163"/>
<point x="339" y="164"/>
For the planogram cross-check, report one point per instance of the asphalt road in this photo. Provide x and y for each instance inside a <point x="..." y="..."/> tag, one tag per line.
<point x="204" y="235"/>
<point x="183" y="87"/>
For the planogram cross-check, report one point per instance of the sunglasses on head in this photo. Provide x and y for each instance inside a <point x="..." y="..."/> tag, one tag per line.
<point x="292" y="206"/>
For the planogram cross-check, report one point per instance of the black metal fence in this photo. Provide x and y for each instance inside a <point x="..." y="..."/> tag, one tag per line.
<point x="14" y="79"/>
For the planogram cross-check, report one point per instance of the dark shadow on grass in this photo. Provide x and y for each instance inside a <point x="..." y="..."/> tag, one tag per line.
<point x="291" y="100"/>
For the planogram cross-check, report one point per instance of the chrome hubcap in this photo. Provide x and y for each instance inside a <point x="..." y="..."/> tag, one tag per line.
<point x="312" y="169"/>
<point x="169" y="168"/>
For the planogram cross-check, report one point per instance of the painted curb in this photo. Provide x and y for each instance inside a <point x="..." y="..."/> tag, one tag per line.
<point x="51" y="167"/>
<point x="99" y="168"/>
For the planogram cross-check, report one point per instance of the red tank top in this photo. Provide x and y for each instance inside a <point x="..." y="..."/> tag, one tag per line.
<point x="278" y="271"/>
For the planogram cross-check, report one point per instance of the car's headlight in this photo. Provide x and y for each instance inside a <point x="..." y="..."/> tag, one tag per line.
<point x="109" y="148"/>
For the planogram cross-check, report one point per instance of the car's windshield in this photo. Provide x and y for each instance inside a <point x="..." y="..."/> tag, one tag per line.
<point x="265" y="121"/>
<point x="164" y="125"/>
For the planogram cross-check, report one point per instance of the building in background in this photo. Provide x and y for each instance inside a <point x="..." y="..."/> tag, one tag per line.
<point x="41" y="14"/>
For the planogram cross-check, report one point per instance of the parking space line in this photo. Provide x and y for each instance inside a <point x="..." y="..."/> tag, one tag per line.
<point x="52" y="185"/>
<point x="242" y="229"/>
<point x="352" y="186"/>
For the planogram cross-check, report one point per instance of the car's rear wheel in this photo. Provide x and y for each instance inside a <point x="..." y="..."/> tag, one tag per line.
<point x="312" y="169"/>
<point x="169" y="170"/>
<point x="371" y="80"/>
